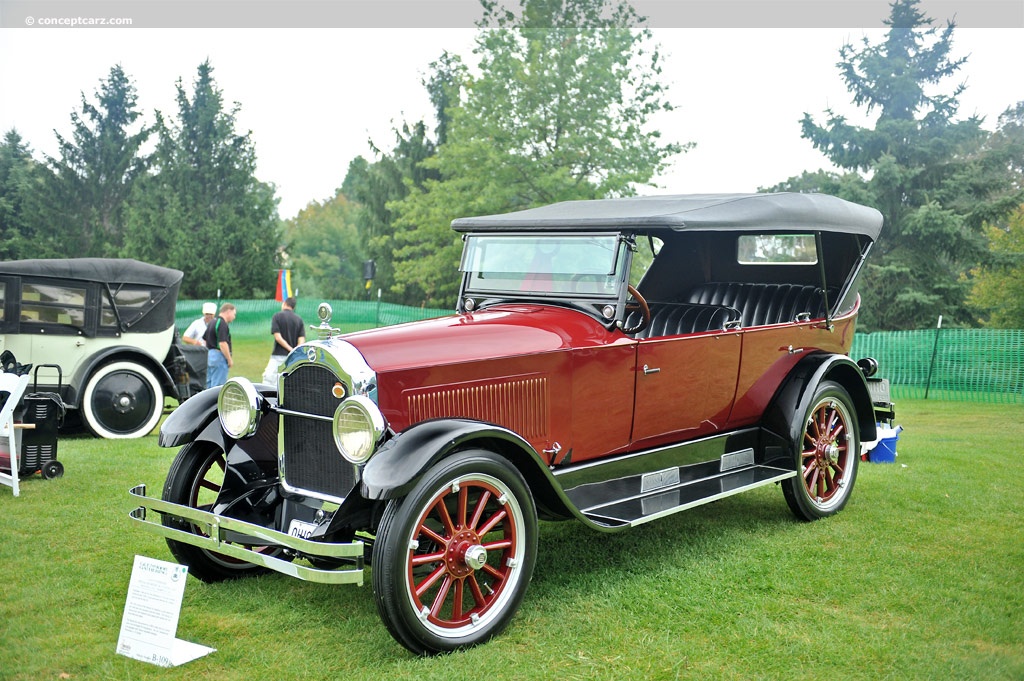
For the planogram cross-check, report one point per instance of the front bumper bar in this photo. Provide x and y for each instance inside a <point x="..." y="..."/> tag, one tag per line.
<point x="213" y="526"/>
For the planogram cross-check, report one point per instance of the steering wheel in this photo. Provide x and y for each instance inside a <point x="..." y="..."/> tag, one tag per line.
<point x="645" y="311"/>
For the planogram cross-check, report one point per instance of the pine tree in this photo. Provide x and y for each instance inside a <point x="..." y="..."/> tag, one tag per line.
<point x="202" y="210"/>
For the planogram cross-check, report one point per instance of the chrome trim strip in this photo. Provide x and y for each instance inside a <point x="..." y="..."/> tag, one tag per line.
<point x="701" y="450"/>
<point x="782" y="475"/>
<point x="215" y="525"/>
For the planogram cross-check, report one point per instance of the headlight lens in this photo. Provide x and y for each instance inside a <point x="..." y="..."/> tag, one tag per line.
<point x="239" y="406"/>
<point x="358" y="427"/>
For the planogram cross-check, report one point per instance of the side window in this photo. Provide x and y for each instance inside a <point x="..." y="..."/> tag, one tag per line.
<point x="131" y="304"/>
<point x="3" y="300"/>
<point x="57" y="304"/>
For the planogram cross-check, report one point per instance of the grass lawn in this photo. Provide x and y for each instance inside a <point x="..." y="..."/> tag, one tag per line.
<point x="920" y="577"/>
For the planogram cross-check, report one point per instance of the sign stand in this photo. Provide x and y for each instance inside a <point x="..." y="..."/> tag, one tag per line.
<point x="150" y="620"/>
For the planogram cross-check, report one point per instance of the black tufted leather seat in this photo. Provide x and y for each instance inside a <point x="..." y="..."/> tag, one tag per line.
<point x="761" y="304"/>
<point x="674" y="319"/>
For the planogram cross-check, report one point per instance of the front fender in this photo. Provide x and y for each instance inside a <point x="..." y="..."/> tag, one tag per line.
<point x="191" y="420"/>
<point x="397" y="466"/>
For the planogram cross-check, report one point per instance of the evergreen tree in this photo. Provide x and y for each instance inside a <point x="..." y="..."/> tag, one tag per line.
<point x="96" y="171"/>
<point x="558" y="110"/>
<point x="20" y="176"/>
<point x="202" y="210"/>
<point x="914" y="160"/>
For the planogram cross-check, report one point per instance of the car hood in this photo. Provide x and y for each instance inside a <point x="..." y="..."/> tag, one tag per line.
<point x="498" y="331"/>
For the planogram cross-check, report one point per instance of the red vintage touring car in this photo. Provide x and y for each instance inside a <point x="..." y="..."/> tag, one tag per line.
<point x="610" y="361"/>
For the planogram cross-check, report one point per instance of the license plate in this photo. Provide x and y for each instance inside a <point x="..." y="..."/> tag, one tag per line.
<point x="300" y="529"/>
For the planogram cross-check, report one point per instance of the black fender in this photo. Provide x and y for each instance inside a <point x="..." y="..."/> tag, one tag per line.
<point x="402" y="460"/>
<point x="785" y="414"/>
<point x="193" y="418"/>
<point x="112" y="354"/>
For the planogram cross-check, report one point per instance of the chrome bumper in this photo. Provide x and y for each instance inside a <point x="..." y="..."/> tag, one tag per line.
<point x="214" y="525"/>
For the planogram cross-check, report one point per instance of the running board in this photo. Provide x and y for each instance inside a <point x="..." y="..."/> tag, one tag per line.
<point x="660" y="494"/>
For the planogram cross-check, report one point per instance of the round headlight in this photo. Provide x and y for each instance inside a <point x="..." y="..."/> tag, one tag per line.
<point x="358" y="427"/>
<point x="238" y="406"/>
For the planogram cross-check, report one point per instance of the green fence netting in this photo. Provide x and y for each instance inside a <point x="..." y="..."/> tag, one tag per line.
<point x="985" y="365"/>
<point x="253" y="319"/>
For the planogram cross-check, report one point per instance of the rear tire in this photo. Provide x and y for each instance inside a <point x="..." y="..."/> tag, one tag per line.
<point x="122" y="400"/>
<point x="827" y="456"/>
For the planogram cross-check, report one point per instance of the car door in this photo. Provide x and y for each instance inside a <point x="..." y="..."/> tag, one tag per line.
<point x="55" y="317"/>
<point x="685" y="386"/>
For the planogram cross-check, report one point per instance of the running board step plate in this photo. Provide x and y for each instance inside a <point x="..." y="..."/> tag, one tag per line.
<point x="663" y="501"/>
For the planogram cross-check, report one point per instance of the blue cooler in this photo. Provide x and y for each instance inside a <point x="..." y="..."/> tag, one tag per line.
<point x="885" y="450"/>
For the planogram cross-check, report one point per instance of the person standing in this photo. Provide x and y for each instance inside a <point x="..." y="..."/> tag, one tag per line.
<point x="288" y="331"/>
<point x="218" y="345"/>
<point x="197" y="330"/>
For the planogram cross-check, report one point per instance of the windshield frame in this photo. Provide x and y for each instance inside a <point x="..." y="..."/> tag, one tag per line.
<point x="599" y="294"/>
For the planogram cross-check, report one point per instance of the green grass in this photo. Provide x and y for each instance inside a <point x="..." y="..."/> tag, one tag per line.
<point x="920" y="577"/>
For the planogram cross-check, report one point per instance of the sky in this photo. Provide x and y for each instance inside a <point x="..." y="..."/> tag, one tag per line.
<point x="313" y="99"/>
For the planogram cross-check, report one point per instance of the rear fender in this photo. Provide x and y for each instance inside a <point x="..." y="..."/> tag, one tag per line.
<point x="785" y="414"/>
<point x="117" y="354"/>
<point x="401" y="461"/>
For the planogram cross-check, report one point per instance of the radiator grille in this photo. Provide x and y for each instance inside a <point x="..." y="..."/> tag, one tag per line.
<point x="520" y="404"/>
<point x="311" y="461"/>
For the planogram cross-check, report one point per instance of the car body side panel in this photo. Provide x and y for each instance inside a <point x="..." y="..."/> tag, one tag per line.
<point x="769" y="355"/>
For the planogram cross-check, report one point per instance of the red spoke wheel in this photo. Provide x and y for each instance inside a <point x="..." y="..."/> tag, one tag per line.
<point x="827" y="458"/>
<point x="195" y="479"/>
<point x="452" y="559"/>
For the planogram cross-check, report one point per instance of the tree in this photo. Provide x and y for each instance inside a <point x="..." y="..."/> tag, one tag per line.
<point x="918" y="161"/>
<point x="325" y="250"/>
<point x="97" y="169"/>
<point x="376" y="187"/>
<point x="202" y="210"/>
<point x="559" y="110"/>
<point x="20" y="176"/>
<point x="998" y="287"/>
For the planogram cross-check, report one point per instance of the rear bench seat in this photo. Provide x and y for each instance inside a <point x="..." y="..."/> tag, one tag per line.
<point x="762" y="304"/>
<point x="674" y="319"/>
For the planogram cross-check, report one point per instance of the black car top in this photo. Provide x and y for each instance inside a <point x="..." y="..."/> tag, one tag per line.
<point x="709" y="212"/>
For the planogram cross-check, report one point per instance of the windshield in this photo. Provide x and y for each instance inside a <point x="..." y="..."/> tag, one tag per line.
<point x="576" y="265"/>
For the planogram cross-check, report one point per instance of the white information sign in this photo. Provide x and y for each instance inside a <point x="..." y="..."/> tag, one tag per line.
<point x="150" y="620"/>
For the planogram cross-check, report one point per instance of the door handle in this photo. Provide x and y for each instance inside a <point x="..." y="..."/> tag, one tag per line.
<point x="650" y="370"/>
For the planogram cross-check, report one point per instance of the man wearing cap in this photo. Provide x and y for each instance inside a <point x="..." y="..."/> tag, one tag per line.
<point x="196" y="330"/>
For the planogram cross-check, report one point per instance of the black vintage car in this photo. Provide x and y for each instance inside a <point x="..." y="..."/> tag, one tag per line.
<point x="611" y="362"/>
<point x="100" y="333"/>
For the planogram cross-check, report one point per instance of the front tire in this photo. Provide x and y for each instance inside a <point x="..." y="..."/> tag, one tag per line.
<point x="452" y="560"/>
<point x="195" y="479"/>
<point x="827" y="456"/>
<point x="122" y="400"/>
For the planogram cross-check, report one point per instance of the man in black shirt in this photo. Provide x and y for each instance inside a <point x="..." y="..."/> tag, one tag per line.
<point x="218" y="345"/>
<point x="289" y="332"/>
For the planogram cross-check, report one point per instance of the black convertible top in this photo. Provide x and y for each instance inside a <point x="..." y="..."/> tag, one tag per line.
<point x="151" y="314"/>
<point x="109" y="270"/>
<point x="716" y="212"/>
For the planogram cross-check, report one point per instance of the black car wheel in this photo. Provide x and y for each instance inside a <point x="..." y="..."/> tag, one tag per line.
<point x="195" y="480"/>
<point x="122" y="400"/>
<point x="452" y="560"/>
<point x="827" y="456"/>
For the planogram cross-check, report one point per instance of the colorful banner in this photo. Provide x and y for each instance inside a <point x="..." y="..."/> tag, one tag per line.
<point x="284" y="285"/>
